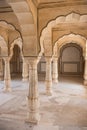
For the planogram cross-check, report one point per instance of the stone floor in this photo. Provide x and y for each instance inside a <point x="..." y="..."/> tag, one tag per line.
<point x="65" y="110"/>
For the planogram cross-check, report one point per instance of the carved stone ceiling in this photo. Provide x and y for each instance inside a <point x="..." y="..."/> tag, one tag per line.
<point x="50" y="3"/>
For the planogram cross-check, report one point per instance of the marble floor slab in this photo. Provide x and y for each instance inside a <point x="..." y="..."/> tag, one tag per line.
<point x="66" y="109"/>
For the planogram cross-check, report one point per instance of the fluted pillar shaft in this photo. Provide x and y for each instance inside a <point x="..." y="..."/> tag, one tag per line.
<point x="25" y="71"/>
<point x="7" y="76"/>
<point x="85" y="72"/>
<point x="85" y="68"/>
<point x="55" y="70"/>
<point x="33" y="96"/>
<point x="48" y="76"/>
<point x="1" y="70"/>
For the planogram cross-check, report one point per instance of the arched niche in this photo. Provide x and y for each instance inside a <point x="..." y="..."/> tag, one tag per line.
<point x="16" y="57"/>
<point x="70" y="38"/>
<point x="71" y="61"/>
<point x="16" y="62"/>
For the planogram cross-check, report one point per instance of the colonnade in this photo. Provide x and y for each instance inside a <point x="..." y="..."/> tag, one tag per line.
<point x="30" y="69"/>
<point x="26" y="72"/>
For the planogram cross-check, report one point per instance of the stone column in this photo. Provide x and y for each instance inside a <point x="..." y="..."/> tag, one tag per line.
<point x="55" y="70"/>
<point x="85" y="68"/>
<point x="48" y="76"/>
<point x="33" y="96"/>
<point x="25" y="71"/>
<point x="85" y="72"/>
<point x="7" y="76"/>
<point x="1" y="70"/>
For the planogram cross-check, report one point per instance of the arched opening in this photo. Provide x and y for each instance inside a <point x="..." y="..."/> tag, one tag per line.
<point x="71" y="61"/>
<point x="41" y="69"/>
<point x="16" y="63"/>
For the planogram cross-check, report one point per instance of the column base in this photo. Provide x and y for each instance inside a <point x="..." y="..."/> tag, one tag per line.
<point x="7" y="89"/>
<point x="85" y="82"/>
<point x="49" y="93"/>
<point x="25" y="79"/>
<point x="49" y="88"/>
<point x="33" y="118"/>
<point x="55" y="81"/>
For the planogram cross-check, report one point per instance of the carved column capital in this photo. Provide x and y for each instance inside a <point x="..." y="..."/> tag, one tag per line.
<point x="48" y="59"/>
<point x="31" y="60"/>
<point x="6" y="59"/>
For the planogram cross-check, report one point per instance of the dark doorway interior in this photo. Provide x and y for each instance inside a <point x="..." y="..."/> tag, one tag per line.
<point x="16" y="62"/>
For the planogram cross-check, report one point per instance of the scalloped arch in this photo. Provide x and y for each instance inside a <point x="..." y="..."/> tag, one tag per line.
<point x="7" y="25"/>
<point x="78" y="39"/>
<point x="18" y="42"/>
<point x="3" y="43"/>
<point x="46" y="33"/>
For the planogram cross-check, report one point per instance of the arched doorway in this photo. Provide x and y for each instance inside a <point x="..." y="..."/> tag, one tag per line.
<point x="16" y="62"/>
<point x="71" y="60"/>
